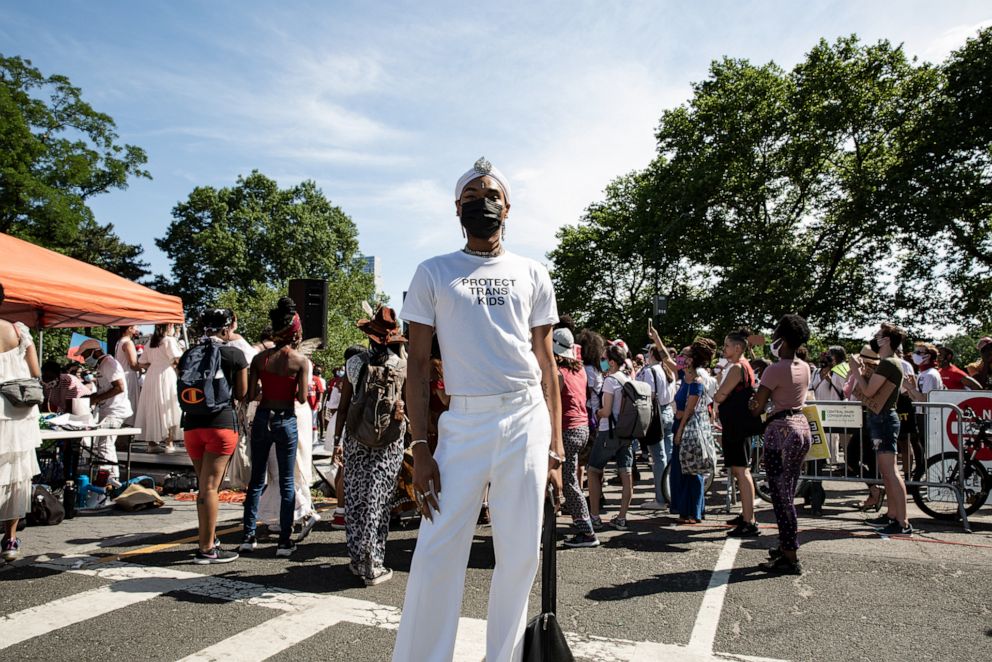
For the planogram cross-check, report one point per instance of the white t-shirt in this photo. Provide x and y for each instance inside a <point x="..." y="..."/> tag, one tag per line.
<point x="654" y="375"/>
<point x="109" y="371"/>
<point x="483" y="310"/>
<point x="611" y="386"/>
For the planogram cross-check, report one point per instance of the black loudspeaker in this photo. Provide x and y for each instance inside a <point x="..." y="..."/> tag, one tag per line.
<point x="310" y="296"/>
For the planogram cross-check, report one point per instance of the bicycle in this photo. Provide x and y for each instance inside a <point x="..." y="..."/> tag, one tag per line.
<point x="941" y="502"/>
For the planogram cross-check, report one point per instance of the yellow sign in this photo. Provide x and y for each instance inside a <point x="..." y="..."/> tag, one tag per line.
<point x="819" y="450"/>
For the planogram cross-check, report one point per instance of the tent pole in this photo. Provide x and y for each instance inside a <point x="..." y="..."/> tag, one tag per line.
<point x="41" y="345"/>
<point x="185" y="336"/>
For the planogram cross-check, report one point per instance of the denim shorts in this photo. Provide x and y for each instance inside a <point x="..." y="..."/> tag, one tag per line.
<point x="884" y="430"/>
<point x="601" y="455"/>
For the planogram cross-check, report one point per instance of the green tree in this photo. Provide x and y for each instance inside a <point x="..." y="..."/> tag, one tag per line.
<point x="945" y="169"/>
<point x="239" y="246"/>
<point x="57" y="152"/>
<point x="771" y="193"/>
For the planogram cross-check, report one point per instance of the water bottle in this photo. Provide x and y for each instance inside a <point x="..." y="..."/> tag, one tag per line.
<point x="82" y="490"/>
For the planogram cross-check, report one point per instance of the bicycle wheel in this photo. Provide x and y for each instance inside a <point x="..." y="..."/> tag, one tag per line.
<point x="941" y="502"/>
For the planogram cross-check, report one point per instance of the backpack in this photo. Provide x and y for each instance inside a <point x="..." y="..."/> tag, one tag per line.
<point x="636" y="399"/>
<point x="735" y="413"/>
<point x="202" y="387"/>
<point x="372" y="414"/>
<point x="45" y="508"/>
<point x="655" y="430"/>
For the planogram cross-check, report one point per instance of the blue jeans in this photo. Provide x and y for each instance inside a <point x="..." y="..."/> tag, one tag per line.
<point x="272" y="426"/>
<point x="884" y="428"/>
<point x="661" y="452"/>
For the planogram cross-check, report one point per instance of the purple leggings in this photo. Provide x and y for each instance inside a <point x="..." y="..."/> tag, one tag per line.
<point x="787" y="440"/>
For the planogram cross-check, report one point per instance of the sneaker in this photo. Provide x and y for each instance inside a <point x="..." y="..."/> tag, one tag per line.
<point x="619" y="523"/>
<point x="652" y="505"/>
<point x="155" y="449"/>
<point x="286" y="549"/>
<point x="744" y="530"/>
<point x="582" y="540"/>
<point x="379" y="575"/>
<point x="10" y="549"/>
<point x="736" y="521"/>
<point x="782" y="566"/>
<point x="774" y="553"/>
<point x="879" y="522"/>
<point x="484" y="518"/>
<point x="338" y="523"/>
<point x="581" y="525"/>
<point x="215" y="555"/>
<point x="249" y="544"/>
<point x="308" y="524"/>
<point x="597" y="524"/>
<point x="169" y="449"/>
<point x="896" y="529"/>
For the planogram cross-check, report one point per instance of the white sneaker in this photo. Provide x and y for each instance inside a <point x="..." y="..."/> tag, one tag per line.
<point x="652" y="505"/>
<point x="308" y="524"/>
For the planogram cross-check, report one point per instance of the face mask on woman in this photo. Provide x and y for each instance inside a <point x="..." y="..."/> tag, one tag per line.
<point x="776" y="346"/>
<point x="680" y="362"/>
<point x="604" y="365"/>
<point x="919" y="359"/>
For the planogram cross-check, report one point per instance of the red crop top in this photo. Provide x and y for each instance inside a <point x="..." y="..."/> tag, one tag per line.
<point x="277" y="387"/>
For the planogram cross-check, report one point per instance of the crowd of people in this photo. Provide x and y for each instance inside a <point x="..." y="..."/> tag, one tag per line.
<point x="500" y="403"/>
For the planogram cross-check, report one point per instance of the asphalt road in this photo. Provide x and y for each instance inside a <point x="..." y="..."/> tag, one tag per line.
<point x="647" y="593"/>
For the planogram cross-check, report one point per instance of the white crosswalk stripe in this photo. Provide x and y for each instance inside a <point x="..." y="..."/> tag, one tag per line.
<point x="306" y="614"/>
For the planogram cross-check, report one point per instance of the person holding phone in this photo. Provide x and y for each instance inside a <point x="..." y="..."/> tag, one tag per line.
<point x="882" y="390"/>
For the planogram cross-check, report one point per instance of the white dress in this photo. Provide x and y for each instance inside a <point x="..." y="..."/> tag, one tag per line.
<point x="158" y="407"/>
<point x="131" y="377"/>
<point x="19" y="435"/>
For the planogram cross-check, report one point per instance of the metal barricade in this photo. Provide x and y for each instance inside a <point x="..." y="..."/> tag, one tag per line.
<point x="852" y="454"/>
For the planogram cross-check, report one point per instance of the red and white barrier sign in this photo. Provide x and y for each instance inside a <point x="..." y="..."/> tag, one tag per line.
<point x="976" y="406"/>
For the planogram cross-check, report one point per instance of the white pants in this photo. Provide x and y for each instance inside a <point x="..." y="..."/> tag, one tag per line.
<point x="105" y="448"/>
<point x="503" y="441"/>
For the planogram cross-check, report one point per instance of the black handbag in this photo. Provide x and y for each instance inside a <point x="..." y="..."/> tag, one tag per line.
<point x="543" y="639"/>
<point x="23" y="392"/>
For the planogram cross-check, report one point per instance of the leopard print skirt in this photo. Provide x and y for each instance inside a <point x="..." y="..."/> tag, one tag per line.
<point x="369" y="488"/>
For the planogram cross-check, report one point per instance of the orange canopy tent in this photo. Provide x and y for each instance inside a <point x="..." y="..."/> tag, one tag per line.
<point x="44" y="290"/>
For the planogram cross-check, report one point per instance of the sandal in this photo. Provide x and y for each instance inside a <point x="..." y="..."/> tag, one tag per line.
<point x="873" y="506"/>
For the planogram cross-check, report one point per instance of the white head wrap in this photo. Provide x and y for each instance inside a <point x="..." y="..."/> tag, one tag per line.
<point x="483" y="168"/>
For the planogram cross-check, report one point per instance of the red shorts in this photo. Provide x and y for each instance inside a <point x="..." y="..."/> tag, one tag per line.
<point x="210" y="440"/>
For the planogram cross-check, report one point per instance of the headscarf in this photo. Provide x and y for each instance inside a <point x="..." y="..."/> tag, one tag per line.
<point x="483" y="168"/>
<point x="285" y="336"/>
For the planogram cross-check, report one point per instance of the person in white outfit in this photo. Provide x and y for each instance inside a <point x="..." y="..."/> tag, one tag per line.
<point x="126" y="354"/>
<point x="111" y="401"/>
<point x="493" y="313"/>
<point x="19" y="434"/>
<point x="159" y="416"/>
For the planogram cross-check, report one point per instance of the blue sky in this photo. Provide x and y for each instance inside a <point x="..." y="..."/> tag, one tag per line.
<point x="385" y="104"/>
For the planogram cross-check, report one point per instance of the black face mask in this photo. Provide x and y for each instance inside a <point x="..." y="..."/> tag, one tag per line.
<point x="482" y="218"/>
<point x="873" y="343"/>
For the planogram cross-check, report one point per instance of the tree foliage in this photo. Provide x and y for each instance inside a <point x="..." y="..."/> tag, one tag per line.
<point x="239" y="246"/>
<point x="775" y="192"/>
<point x="57" y="152"/>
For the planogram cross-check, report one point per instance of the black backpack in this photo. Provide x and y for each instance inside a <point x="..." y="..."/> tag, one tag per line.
<point x="202" y="387"/>
<point x="735" y="413"/>
<point x="46" y="510"/>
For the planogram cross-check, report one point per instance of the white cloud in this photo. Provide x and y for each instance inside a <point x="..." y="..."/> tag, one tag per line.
<point x="951" y="40"/>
